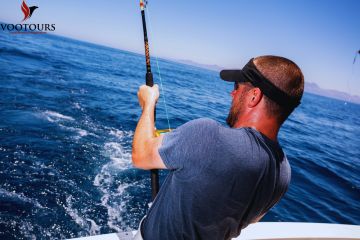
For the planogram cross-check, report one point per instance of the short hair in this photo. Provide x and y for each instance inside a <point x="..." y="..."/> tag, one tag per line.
<point x="284" y="74"/>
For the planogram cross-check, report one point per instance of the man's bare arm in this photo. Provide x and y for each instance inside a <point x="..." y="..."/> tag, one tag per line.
<point x="145" y="154"/>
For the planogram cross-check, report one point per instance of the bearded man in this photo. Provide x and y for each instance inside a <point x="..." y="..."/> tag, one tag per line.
<point x="221" y="178"/>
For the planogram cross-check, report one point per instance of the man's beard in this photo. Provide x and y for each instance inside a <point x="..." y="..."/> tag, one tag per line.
<point x="236" y="110"/>
<point x="233" y="116"/>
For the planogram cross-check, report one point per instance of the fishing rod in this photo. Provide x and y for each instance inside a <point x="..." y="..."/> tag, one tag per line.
<point x="149" y="82"/>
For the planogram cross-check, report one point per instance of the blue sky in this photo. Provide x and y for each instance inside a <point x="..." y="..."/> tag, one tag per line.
<point x="321" y="36"/>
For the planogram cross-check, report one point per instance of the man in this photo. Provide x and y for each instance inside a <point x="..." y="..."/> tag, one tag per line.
<point x="221" y="179"/>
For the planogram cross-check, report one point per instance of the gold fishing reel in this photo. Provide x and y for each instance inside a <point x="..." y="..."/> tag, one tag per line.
<point x="158" y="132"/>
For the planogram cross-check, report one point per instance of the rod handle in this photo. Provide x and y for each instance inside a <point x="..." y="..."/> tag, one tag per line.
<point x="149" y="79"/>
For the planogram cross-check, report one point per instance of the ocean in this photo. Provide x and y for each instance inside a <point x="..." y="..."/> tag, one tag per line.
<point x="68" y="110"/>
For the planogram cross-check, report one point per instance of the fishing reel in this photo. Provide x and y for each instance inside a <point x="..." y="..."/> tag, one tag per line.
<point x="158" y="132"/>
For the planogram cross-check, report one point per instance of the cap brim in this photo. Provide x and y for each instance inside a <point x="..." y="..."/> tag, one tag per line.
<point x="232" y="75"/>
<point x="229" y="75"/>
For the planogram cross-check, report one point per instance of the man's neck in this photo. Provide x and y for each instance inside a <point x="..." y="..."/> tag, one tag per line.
<point x="267" y="127"/>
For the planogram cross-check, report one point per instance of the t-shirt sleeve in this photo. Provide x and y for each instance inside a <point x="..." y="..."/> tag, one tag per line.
<point x="187" y="144"/>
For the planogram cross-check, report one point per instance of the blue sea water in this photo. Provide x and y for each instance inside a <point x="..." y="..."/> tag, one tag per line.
<point x="68" y="110"/>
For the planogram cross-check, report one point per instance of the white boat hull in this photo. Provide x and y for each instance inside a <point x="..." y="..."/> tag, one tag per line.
<point x="272" y="230"/>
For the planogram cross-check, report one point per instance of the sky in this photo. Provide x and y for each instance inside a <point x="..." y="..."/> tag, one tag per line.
<point x="321" y="36"/>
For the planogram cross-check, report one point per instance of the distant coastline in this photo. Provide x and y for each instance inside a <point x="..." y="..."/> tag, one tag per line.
<point x="315" y="89"/>
<point x="310" y="87"/>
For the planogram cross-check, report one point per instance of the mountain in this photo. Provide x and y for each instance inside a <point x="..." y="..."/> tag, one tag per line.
<point x="315" y="89"/>
<point x="200" y="65"/>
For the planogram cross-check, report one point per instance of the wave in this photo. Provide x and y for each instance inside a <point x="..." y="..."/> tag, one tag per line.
<point x="117" y="154"/>
<point x="83" y="222"/>
<point x="80" y="132"/>
<point x="114" y="199"/>
<point x="77" y="106"/>
<point x="21" y="53"/>
<point x="18" y="197"/>
<point x="52" y="116"/>
<point x="61" y="119"/>
<point x="117" y="133"/>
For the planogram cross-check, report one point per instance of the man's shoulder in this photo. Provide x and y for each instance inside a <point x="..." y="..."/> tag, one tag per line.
<point x="201" y="128"/>
<point x="207" y="126"/>
<point x="204" y="122"/>
<point x="201" y="124"/>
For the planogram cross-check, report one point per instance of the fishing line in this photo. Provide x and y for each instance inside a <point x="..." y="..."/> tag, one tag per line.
<point x="158" y="68"/>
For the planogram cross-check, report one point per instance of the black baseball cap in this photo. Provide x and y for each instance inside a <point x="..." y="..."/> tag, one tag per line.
<point x="251" y="74"/>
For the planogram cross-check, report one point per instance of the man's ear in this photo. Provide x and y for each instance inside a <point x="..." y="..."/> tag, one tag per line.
<point x="255" y="96"/>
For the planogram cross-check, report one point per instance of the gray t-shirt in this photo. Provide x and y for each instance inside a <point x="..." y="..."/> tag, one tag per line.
<point x="220" y="180"/>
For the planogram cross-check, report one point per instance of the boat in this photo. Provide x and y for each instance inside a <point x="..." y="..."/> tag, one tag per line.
<point x="271" y="230"/>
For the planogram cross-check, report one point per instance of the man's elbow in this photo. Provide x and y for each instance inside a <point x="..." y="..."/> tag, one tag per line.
<point x="138" y="162"/>
<point x="147" y="157"/>
<point x="137" y="156"/>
